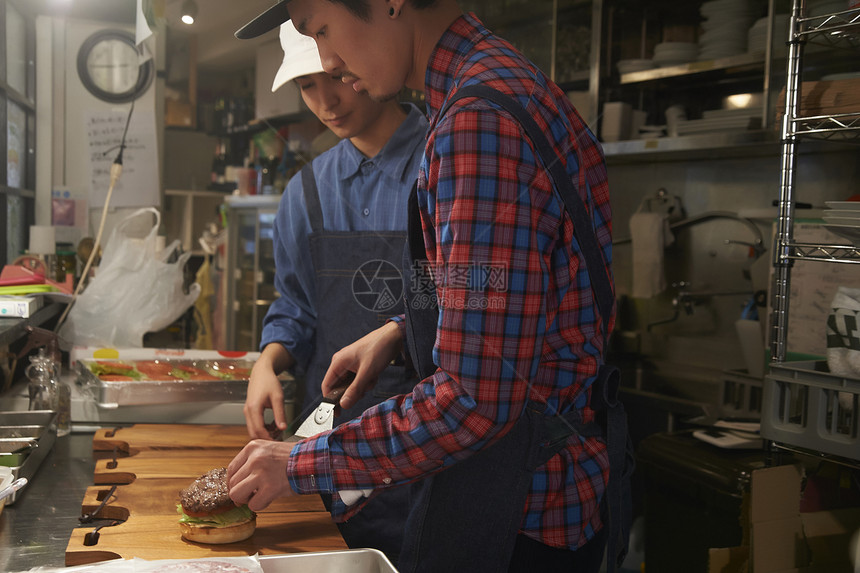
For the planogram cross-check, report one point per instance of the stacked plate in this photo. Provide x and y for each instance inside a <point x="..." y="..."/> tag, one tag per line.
<point x="675" y="53"/>
<point x="726" y="25"/>
<point x="722" y="120"/>
<point x="757" y="35"/>
<point x="843" y="219"/>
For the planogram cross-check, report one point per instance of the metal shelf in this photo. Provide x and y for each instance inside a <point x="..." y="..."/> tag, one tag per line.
<point x="703" y="142"/>
<point x="839" y="30"/>
<point x="752" y="61"/>
<point x="824" y="253"/>
<point x="836" y="30"/>
<point x="842" y="126"/>
<point x="12" y="329"/>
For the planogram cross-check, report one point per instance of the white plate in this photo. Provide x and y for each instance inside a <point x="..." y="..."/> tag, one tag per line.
<point x="845" y="205"/>
<point x="841" y="213"/>
<point x="847" y="231"/>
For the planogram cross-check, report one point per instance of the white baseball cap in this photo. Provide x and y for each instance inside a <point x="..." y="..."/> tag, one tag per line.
<point x="301" y="57"/>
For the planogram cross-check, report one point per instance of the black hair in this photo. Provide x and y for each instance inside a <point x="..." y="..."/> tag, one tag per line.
<point x="361" y="8"/>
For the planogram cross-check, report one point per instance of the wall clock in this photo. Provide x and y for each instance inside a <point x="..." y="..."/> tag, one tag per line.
<point x="109" y="67"/>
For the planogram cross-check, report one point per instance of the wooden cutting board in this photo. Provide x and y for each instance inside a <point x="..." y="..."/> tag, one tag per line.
<point x="162" y="460"/>
<point x="159" y="496"/>
<point x="141" y="437"/>
<point x="149" y="464"/>
<point x="158" y="537"/>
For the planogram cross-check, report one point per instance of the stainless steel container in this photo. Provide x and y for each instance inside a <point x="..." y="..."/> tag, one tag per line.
<point x="148" y="389"/>
<point x="25" y="440"/>
<point x="351" y="561"/>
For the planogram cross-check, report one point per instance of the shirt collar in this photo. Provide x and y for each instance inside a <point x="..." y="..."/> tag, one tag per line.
<point x="394" y="157"/>
<point x="449" y="55"/>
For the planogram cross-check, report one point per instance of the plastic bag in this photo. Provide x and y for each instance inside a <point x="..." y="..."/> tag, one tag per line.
<point x="135" y="291"/>
<point x="843" y="338"/>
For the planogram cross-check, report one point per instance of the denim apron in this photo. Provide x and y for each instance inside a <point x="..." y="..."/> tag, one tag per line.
<point x="467" y="517"/>
<point x="359" y="287"/>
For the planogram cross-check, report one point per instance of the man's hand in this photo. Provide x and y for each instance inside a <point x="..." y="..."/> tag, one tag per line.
<point x="367" y="357"/>
<point x="258" y="474"/>
<point x="265" y="391"/>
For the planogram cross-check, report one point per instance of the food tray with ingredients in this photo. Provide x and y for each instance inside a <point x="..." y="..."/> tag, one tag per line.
<point x="25" y="440"/>
<point x="114" y="383"/>
<point x="807" y="406"/>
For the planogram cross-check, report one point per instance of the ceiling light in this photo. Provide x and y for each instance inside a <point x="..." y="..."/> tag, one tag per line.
<point x="189" y="11"/>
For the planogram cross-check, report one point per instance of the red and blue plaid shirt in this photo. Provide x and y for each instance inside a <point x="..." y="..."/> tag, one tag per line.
<point x="517" y="319"/>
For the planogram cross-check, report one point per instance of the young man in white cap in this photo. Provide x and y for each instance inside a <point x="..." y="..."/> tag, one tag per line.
<point x="513" y="443"/>
<point x="338" y="240"/>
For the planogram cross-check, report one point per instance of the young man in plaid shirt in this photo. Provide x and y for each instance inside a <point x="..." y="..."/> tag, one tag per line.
<point x="499" y="441"/>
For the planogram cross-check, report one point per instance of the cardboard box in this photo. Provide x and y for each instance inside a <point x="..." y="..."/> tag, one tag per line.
<point x="179" y="113"/>
<point x="19" y="306"/>
<point x="781" y="539"/>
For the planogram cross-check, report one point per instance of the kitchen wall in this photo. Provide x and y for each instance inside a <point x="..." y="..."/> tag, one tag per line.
<point x="745" y="182"/>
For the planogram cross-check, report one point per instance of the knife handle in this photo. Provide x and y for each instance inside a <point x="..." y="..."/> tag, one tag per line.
<point x="344" y="381"/>
<point x="333" y="397"/>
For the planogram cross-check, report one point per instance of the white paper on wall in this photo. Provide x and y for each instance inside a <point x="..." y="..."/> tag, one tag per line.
<point x="138" y="185"/>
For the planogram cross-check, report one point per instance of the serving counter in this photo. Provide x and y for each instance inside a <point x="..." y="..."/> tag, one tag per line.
<point x="138" y="472"/>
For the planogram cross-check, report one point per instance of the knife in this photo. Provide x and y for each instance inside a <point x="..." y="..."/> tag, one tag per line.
<point x="319" y="417"/>
<point x="322" y="419"/>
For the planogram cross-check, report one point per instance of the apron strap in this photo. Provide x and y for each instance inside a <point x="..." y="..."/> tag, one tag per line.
<point x="422" y="312"/>
<point x="312" y="198"/>
<point x="573" y="204"/>
<point x="618" y="506"/>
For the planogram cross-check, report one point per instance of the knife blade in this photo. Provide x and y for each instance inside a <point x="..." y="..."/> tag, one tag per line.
<point x="322" y="418"/>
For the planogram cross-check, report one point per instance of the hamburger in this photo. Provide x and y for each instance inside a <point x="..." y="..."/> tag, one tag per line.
<point x="208" y="513"/>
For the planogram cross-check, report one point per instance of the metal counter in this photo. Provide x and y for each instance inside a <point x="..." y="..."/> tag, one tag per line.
<point x="35" y="530"/>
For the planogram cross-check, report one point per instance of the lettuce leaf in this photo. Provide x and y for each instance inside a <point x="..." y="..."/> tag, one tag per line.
<point x="119" y="368"/>
<point x="229" y="517"/>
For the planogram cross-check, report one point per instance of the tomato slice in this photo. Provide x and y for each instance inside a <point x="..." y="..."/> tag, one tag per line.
<point x="156" y="370"/>
<point x="115" y="378"/>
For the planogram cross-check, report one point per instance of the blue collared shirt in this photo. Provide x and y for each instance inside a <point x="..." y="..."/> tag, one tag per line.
<point x="356" y="194"/>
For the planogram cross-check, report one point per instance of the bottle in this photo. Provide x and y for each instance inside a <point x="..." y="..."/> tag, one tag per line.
<point x="47" y="391"/>
<point x="42" y="381"/>
<point x="213" y="174"/>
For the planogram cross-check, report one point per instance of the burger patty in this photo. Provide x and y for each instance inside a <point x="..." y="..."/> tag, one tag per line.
<point x="207" y="493"/>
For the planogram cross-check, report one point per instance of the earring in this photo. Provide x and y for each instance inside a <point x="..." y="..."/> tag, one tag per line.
<point x="391" y="11"/>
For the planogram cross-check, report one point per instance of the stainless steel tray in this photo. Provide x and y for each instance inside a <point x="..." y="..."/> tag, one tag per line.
<point x="349" y="561"/>
<point x="149" y="390"/>
<point x="40" y="427"/>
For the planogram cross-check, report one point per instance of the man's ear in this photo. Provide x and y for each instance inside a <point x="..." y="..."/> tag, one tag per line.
<point x="395" y="8"/>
